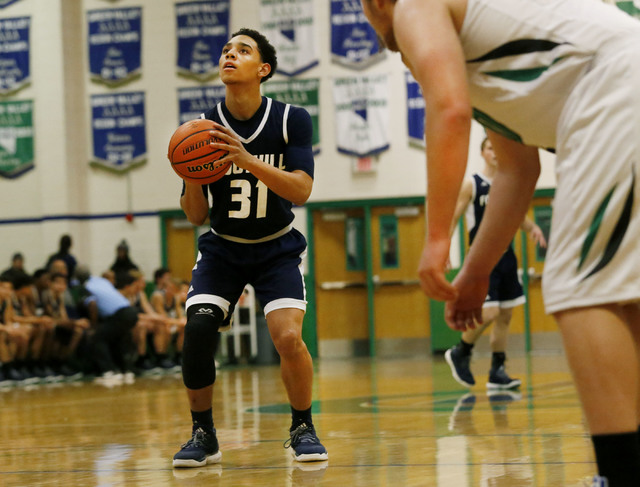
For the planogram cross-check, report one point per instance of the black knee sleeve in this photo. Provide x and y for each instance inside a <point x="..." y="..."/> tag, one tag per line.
<point x="201" y="337"/>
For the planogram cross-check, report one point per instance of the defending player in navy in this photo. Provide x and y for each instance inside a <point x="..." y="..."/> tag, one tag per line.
<point x="251" y="242"/>
<point x="505" y="291"/>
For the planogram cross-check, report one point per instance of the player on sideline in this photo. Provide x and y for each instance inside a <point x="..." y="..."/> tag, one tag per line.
<point x="251" y="241"/>
<point x="563" y="75"/>
<point x="505" y="290"/>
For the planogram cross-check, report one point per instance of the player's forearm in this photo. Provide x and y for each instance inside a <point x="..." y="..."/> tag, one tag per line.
<point x="293" y="186"/>
<point x="447" y="141"/>
<point x="194" y="204"/>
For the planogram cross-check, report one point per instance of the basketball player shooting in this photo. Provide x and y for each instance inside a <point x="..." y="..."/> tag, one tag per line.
<point x="251" y="242"/>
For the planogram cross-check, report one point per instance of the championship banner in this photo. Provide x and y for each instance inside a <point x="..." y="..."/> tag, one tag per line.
<point x="354" y="43"/>
<point x="6" y="3"/>
<point x="194" y="101"/>
<point x="115" y="39"/>
<point x="632" y="7"/>
<point x="415" y="112"/>
<point x="118" y="121"/>
<point x="16" y="138"/>
<point x="302" y="93"/>
<point x="202" y="31"/>
<point x="289" y="26"/>
<point x="14" y="54"/>
<point x="362" y="114"/>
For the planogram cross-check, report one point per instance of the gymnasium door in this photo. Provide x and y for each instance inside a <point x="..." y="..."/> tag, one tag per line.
<point x="365" y="259"/>
<point x="340" y="274"/>
<point x="180" y="246"/>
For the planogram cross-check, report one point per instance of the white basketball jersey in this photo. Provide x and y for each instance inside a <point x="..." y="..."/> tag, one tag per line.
<point x="524" y="58"/>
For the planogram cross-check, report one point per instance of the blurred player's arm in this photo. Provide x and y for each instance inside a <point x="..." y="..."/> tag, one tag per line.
<point x="437" y="63"/>
<point x="511" y="192"/>
<point x="464" y="198"/>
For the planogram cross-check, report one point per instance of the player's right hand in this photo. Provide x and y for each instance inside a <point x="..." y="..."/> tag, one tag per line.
<point x="432" y="268"/>
<point x="465" y="311"/>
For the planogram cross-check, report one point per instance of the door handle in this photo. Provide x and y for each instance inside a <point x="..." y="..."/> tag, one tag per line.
<point x="335" y="285"/>
<point x="394" y="282"/>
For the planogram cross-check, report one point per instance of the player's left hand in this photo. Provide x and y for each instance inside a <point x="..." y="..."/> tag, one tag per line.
<point x="231" y="143"/>
<point x="465" y="311"/>
<point x="536" y="234"/>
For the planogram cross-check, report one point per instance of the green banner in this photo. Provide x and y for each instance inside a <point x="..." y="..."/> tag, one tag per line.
<point x="16" y="138"/>
<point x="302" y="93"/>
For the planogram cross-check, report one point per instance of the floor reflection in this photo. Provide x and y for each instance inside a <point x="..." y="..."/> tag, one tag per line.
<point x="397" y="423"/>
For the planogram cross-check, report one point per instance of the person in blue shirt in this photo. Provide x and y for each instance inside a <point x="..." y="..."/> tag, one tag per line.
<point x="111" y="341"/>
<point x="251" y="242"/>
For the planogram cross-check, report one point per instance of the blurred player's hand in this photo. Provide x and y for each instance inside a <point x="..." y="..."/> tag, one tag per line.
<point x="432" y="268"/>
<point x="537" y="236"/>
<point x="465" y="311"/>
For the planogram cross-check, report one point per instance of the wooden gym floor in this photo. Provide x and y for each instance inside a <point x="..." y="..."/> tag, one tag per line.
<point x="393" y="422"/>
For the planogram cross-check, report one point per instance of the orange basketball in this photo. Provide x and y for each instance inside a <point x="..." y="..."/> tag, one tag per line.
<point x="191" y="156"/>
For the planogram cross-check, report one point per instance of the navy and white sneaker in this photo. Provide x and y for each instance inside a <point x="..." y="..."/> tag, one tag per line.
<point x="459" y="365"/>
<point x="202" y="449"/>
<point x="498" y="379"/>
<point x="305" y="445"/>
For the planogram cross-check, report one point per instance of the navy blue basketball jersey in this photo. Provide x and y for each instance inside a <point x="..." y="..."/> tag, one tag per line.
<point x="479" y="198"/>
<point x="242" y="206"/>
<point x="475" y="211"/>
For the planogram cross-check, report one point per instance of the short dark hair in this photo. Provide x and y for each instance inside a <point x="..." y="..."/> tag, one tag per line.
<point x="123" y="279"/>
<point x="39" y="273"/>
<point x="265" y="48"/>
<point x="159" y="273"/>
<point x="22" y="280"/>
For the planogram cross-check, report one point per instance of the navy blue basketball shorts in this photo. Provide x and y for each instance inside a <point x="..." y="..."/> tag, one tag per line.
<point x="505" y="290"/>
<point x="274" y="269"/>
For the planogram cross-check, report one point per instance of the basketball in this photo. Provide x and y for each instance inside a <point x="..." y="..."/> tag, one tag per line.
<point x="191" y="156"/>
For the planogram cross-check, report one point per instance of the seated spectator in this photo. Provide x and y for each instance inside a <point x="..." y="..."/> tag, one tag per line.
<point x="17" y="267"/>
<point x="14" y="340"/>
<point x="183" y="290"/>
<point x="111" y="342"/>
<point x="41" y="281"/>
<point x="161" y="277"/>
<point x="123" y="262"/>
<point x="40" y="329"/>
<point x="59" y="266"/>
<point x="68" y="332"/>
<point x="167" y="302"/>
<point x="151" y="326"/>
<point x="64" y="254"/>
